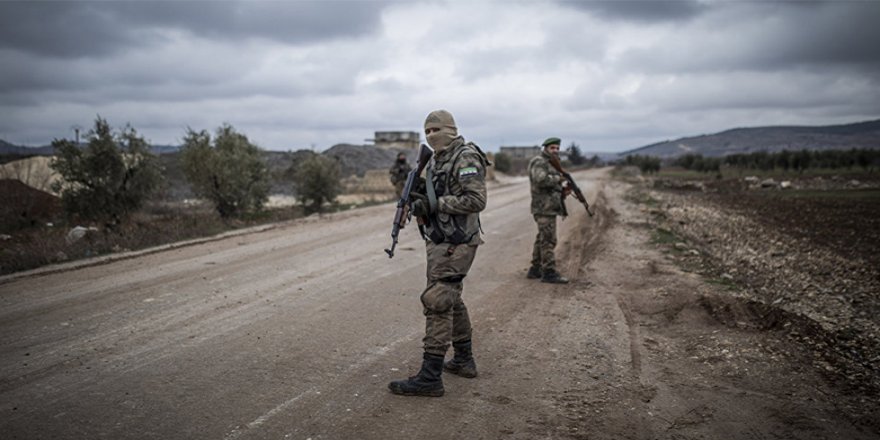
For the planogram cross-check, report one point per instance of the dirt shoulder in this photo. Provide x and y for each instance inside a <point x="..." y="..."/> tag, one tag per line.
<point x="702" y="360"/>
<point x="808" y="260"/>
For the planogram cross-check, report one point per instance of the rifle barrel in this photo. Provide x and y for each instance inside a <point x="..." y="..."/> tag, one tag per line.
<point x="400" y="214"/>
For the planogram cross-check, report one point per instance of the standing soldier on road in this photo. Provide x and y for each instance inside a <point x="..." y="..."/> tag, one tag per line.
<point x="397" y="173"/>
<point x="548" y="190"/>
<point x="448" y="207"/>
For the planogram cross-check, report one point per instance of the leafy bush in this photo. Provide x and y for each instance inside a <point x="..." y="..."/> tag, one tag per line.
<point x="697" y="162"/>
<point x="647" y="164"/>
<point x="575" y="156"/>
<point x="316" y="181"/>
<point x="502" y="163"/>
<point x="228" y="171"/>
<point x="866" y="158"/>
<point x="108" y="179"/>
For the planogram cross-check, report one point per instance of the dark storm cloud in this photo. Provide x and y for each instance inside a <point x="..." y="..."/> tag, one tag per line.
<point x="828" y="34"/>
<point x="60" y="29"/>
<point x="770" y="37"/>
<point x="298" y="73"/>
<point x="288" y="22"/>
<point x="641" y="10"/>
<point x="74" y="29"/>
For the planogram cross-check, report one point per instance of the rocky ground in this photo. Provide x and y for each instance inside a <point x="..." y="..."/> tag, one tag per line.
<point x="804" y="259"/>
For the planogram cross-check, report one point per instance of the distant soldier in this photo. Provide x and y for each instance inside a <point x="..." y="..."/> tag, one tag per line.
<point x="448" y="207"/>
<point x="398" y="172"/>
<point x="548" y="188"/>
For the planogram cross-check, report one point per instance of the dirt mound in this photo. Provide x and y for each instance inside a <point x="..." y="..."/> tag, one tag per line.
<point x="357" y="159"/>
<point x="24" y="206"/>
<point x="33" y="171"/>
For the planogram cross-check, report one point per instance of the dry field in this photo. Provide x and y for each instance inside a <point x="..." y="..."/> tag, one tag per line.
<point x="807" y="257"/>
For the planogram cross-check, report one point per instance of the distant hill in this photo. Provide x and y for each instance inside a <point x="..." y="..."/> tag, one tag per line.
<point x="16" y="150"/>
<point x="770" y="139"/>
<point x="357" y="159"/>
<point x="7" y="149"/>
<point x="164" y="149"/>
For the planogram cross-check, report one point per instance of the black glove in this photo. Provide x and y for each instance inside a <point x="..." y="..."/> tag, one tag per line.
<point x="418" y="205"/>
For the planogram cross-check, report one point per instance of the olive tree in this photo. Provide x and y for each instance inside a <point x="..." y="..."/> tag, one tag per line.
<point x="503" y="163"/>
<point x="316" y="181"/>
<point x="227" y="170"/>
<point x="109" y="178"/>
<point x="575" y="156"/>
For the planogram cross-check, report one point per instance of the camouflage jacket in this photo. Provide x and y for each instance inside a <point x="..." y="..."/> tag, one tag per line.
<point x="398" y="172"/>
<point x="546" y="184"/>
<point x="458" y="176"/>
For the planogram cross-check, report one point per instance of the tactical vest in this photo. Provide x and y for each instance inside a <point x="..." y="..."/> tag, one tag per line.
<point x="450" y="228"/>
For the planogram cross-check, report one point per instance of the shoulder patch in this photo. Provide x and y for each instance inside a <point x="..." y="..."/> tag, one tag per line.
<point x="468" y="172"/>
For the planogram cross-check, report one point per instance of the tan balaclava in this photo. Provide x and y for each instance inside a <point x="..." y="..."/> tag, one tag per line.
<point x="441" y="119"/>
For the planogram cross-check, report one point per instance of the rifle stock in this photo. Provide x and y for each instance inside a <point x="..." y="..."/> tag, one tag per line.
<point x="402" y="213"/>
<point x="554" y="161"/>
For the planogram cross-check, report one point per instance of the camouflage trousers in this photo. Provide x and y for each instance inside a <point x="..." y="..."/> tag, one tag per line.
<point x="398" y="188"/>
<point x="446" y="316"/>
<point x="545" y="243"/>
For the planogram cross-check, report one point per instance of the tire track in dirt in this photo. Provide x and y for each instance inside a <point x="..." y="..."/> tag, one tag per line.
<point x="585" y="242"/>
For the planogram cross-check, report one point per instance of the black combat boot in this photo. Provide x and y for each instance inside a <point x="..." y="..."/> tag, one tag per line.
<point x="462" y="364"/>
<point x="554" y="277"/>
<point x="534" y="273"/>
<point x="426" y="383"/>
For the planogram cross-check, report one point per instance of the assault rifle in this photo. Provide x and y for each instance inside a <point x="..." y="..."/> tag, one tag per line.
<point x="554" y="161"/>
<point x="402" y="215"/>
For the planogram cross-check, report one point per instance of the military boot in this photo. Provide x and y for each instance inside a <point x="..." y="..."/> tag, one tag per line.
<point x="426" y="383"/>
<point x="462" y="364"/>
<point x="554" y="277"/>
<point x="534" y="273"/>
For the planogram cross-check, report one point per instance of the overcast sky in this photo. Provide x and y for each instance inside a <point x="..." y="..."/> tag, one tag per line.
<point x="609" y="75"/>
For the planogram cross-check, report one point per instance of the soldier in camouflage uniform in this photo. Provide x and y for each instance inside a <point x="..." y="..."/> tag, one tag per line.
<point x="449" y="206"/>
<point x="398" y="173"/>
<point x="548" y="188"/>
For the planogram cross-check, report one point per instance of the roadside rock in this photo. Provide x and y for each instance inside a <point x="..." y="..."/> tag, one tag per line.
<point x="769" y="183"/>
<point x="77" y="233"/>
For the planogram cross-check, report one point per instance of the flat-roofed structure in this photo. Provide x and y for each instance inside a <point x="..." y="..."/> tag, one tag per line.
<point x="396" y="140"/>
<point x="521" y="152"/>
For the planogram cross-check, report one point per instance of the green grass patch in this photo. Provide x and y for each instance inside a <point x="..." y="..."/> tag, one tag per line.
<point x="664" y="236"/>
<point x="723" y="282"/>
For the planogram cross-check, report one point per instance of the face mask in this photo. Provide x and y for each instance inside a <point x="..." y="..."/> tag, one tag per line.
<point x="442" y="119"/>
<point x="440" y="140"/>
<point x="401" y="160"/>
